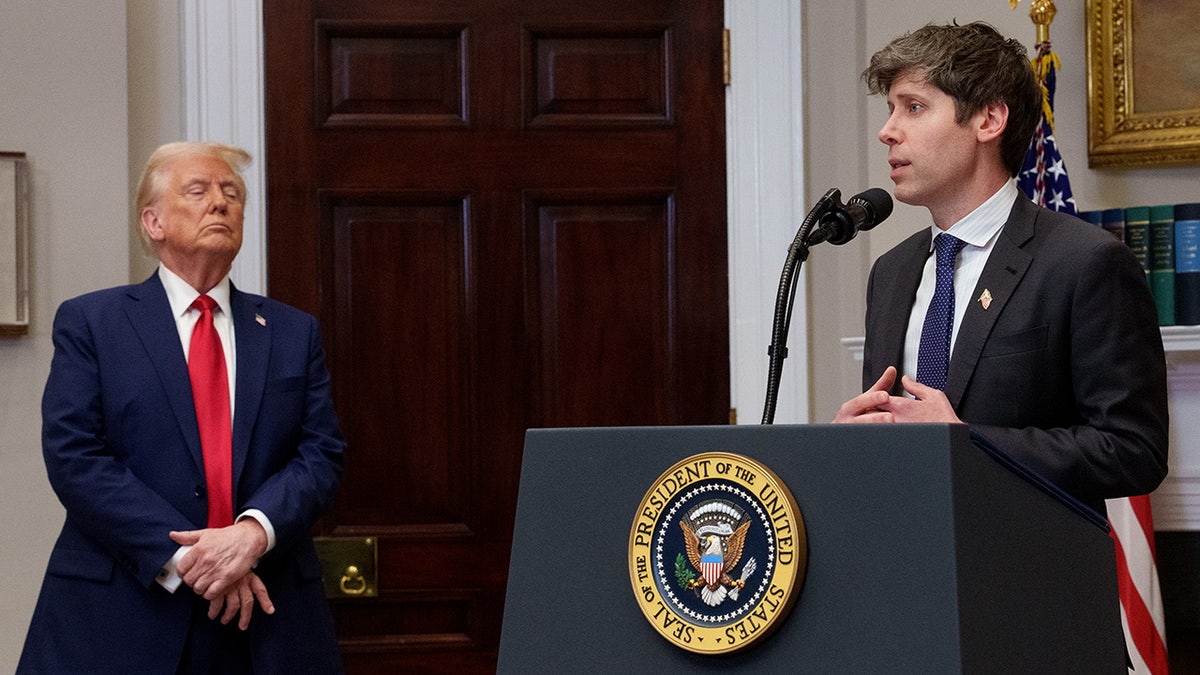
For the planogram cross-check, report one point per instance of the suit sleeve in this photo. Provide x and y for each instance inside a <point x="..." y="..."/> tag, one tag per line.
<point x="1116" y="442"/>
<point x="107" y="502"/>
<point x="299" y="435"/>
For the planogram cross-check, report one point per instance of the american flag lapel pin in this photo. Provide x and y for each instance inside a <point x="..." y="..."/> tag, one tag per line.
<point x="985" y="299"/>
<point x="258" y="318"/>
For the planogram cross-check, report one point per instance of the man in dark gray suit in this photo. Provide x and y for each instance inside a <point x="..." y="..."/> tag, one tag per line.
<point x="1052" y="333"/>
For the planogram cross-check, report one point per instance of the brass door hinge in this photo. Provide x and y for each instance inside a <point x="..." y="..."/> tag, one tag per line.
<point x="725" y="57"/>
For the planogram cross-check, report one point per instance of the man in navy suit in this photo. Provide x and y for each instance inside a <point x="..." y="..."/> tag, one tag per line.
<point x="1055" y="352"/>
<point x="141" y="579"/>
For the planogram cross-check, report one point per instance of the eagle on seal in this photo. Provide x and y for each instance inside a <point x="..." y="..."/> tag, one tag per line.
<point x="714" y="561"/>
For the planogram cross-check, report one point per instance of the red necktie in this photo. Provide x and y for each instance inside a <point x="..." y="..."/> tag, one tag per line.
<point x="210" y="392"/>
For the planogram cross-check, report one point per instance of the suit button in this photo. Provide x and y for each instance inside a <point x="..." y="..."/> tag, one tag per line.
<point x="198" y="491"/>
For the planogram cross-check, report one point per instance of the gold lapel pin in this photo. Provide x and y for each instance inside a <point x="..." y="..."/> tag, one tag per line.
<point x="985" y="298"/>
<point x="258" y="318"/>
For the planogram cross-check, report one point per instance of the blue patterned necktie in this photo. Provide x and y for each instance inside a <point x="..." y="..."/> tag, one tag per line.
<point x="933" y="357"/>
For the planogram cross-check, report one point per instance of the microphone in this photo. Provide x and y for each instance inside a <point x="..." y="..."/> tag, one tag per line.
<point x="834" y="222"/>
<point x="842" y="222"/>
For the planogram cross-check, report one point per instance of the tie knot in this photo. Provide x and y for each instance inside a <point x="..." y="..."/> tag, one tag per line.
<point x="204" y="304"/>
<point x="948" y="248"/>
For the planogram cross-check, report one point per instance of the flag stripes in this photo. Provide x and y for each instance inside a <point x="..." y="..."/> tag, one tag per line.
<point x="1137" y="583"/>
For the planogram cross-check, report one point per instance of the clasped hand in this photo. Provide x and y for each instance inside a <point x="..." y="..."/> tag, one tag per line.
<point x="219" y="567"/>
<point x="876" y="405"/>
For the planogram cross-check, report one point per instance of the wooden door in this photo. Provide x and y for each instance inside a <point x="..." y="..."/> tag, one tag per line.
<point x="506" y="214"/>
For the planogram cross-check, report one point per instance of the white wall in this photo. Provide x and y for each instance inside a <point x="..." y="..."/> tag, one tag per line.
<point x="155" y="94"/>
<point x="64" y="103"/>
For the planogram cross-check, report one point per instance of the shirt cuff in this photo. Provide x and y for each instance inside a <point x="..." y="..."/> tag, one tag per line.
<point x="266" y="525"/>
<point x="168" y="577"/>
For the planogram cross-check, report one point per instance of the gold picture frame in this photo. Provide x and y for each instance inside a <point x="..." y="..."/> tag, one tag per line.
<point x="14" y="245"/>
<point x="1143" y="103"/>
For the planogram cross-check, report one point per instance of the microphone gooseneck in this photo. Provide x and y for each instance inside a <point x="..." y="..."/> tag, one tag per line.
<point x="829" y="220"/>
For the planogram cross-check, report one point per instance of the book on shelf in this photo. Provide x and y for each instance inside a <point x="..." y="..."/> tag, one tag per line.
<point x="1187" y="264"/>
<point x="1137" y="234"/>
<point x="1112" y="220"/>
<point x="1162" y="261"/>
<point x="1165" y="239"/>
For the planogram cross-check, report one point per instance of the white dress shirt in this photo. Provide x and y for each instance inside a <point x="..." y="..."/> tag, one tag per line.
<point x="181" y="295"/>
<point x="979" y="229"/>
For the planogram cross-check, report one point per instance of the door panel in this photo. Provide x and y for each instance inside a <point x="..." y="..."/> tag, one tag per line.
<point x="603" y="309"/>
<point x="506" y="214"/>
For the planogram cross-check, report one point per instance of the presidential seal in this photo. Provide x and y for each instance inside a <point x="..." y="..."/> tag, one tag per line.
<point x="717" y="553"/>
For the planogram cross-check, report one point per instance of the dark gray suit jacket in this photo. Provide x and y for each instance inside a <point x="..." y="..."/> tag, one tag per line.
<point x="1064" y="370"/>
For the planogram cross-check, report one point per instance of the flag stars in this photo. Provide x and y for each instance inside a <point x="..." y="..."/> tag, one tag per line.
<point x="1058" y="169"/>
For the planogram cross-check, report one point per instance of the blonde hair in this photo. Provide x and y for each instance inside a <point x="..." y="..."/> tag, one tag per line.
<point x="154" y="176"/>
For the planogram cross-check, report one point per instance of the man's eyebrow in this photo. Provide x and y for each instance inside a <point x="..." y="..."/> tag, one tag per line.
<point x="200" y="180"/>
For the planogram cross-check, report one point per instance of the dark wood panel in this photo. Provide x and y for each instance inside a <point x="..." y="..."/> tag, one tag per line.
<point x="437" y="619"/>
<point x="599" y="77"/>
<point x="605" y="296"/>
<point x="401" y="75"/>
<point x="400" y="295"/>
<point x="508" y="160"/>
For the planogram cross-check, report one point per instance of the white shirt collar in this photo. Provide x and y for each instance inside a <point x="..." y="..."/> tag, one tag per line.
<point x="181" y="295"/>
<point x="978" y="227"/>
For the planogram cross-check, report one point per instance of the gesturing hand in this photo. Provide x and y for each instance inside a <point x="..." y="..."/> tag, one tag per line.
<point x="869" y="407"/>
<point x="928" y="404"/>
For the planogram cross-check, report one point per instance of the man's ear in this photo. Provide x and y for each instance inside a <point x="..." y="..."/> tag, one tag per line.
<point x="152" y="223"/>
<point x="993" y="119"/>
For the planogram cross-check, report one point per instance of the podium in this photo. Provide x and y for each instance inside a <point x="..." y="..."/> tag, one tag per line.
<point x="925" y="555"/>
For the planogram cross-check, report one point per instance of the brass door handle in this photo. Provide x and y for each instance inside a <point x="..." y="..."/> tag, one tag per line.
<point x="349" y="566"/>
<point x="353" y="582"/>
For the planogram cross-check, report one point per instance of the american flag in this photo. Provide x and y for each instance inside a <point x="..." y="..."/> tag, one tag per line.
<point x="1044" y="175"/>
<point x="1043" y="178"/>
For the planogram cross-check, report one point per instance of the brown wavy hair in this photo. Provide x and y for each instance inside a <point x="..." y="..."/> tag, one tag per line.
<point x="973" y="64"/>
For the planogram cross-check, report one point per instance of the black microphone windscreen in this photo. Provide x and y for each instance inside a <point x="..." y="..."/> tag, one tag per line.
<point x="877" y="201"/>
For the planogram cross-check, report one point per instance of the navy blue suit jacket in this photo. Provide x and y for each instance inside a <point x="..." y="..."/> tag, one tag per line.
<point x="122" y="450"/>
<point x="1064" y="369"/>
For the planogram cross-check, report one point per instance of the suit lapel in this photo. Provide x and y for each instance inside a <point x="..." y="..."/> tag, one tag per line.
<point x="252" y="334"/>
<point x="1002" y="273"/>
<point x="149" y="313"/>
